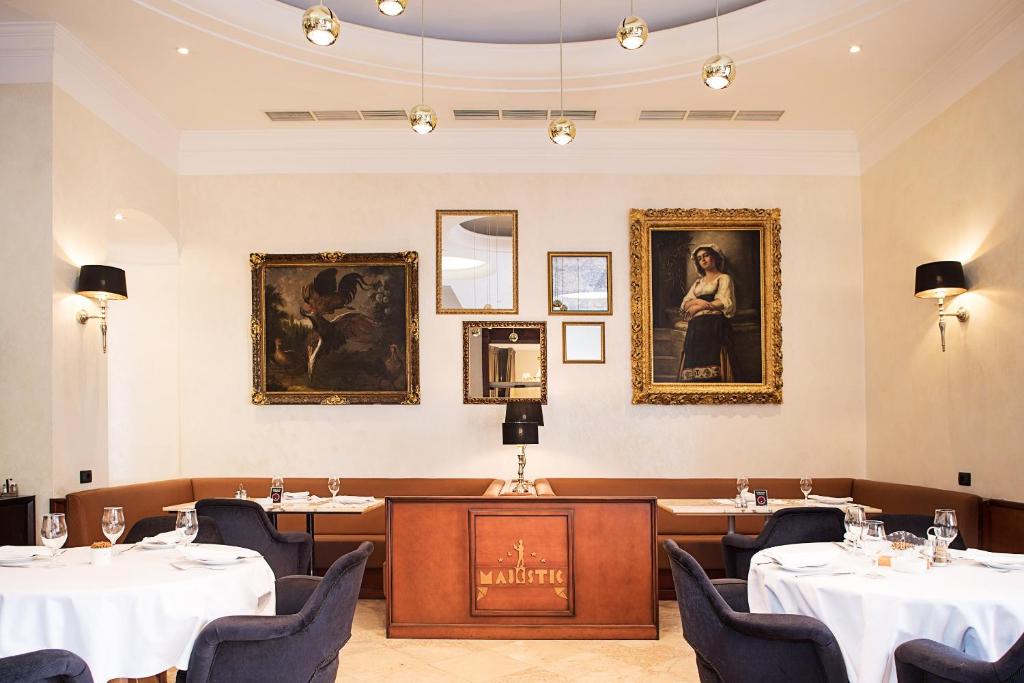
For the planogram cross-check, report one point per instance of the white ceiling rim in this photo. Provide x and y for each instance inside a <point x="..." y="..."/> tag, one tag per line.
<point x="753" y="33"/>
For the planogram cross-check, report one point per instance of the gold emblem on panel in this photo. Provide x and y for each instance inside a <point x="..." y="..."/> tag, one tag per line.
<point x="532" y="572"/>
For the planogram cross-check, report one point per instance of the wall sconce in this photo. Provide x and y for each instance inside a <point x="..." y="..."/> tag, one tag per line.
<point x="938" y="280"/>
<point x="103" y="283"/>
<point x="522" y="419"/>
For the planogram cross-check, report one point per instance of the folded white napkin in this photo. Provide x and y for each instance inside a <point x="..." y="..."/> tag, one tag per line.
<point x="21" y="552"/>
<point x="354" y="500"/>
<point x="830" y="499"/>
<point x="296" y="495"/>
<point x="166" y="538"/>
<point x="802" y="557"/>
<point x="995" y="559"/>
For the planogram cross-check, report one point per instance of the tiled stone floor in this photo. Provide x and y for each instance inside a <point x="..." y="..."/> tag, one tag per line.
<point x="369" y="656"/>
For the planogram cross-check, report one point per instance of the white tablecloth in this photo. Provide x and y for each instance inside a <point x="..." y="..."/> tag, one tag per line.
<point x="135" y="617"/>
<point x="975" y="609"/>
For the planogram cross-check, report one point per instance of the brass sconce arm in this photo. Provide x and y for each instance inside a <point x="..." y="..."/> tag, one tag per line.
<point x="960" y="314"/>
<point x="83" y="316"/>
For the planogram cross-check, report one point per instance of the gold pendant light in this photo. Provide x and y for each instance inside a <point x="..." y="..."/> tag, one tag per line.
<point x="422" y="117"/>
<point x="719" y="71"/>
<point x="633" y="32"/>
<point x="320" y="25"/>
<point x="391" y="8"/>
<point x="561" y="130"/>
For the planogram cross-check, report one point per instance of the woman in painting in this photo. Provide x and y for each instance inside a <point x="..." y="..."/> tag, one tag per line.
<point x="707" y="309"/>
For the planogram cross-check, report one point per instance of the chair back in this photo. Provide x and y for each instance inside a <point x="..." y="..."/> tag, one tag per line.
<point x="926" y="661"/>
<point x="733" y="647"/>
<point x="245" y="524"/>
<point x="45" y="666"/>
<point x="803" y="525"/>
<point x="151" y="526"/>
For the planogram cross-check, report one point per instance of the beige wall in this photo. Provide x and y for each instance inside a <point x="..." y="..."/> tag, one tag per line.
<point x="26" y="262"/>
<point x="955" y="190"/>
<point x="592" y="429"/>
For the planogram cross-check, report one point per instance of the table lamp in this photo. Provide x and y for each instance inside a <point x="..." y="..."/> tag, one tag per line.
<point x="520" y="434"/>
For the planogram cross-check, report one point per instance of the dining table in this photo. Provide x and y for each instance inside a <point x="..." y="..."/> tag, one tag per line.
<point x="873" y="609"/>
<point x="729" y="508"/>
<point x="134" y="617"/>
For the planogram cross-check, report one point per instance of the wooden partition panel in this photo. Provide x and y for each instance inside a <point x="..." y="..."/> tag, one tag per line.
<point x="521" y="568"/>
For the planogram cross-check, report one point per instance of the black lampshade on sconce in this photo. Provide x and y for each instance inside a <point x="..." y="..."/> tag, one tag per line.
<point x="524" y="411"/>
<point x="938" y="280"/>
<point x="103" y="283"/>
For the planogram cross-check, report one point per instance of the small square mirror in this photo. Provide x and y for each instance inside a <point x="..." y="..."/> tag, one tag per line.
<point x="580" y="283"/>
<point x="504" y="361"/>
<point x="582" y="342"/>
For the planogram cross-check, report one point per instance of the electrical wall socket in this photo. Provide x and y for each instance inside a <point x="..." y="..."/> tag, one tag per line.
<point x="964" y="479"/>
<point x="85" y="477"/>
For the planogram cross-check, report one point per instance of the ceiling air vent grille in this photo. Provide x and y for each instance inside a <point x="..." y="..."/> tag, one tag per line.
<point x="338" y="115"/>
<point x="524" y="114"/>
<point x="663" y="115"/>
<point x="476" y="114"/>
<point x="289" y="116"/>
<point x="577" y="114"/>
<point x="759" y="115"/>
<point x="384" y="115"/>
<point x="710" y="115"/>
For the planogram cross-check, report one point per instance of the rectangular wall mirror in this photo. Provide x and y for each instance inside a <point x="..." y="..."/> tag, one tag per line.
<point x="580" y="282"/>
<point x="504" y="361"/>
<point x="582" y="342"/>
<point x="477" y="262"/>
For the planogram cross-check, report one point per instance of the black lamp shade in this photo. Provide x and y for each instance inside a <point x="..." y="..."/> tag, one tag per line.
<point x="524" y="411"/>
<point x="939" y="279"/>
<point x="102" y="282"/>
<point x="519" y="433"/>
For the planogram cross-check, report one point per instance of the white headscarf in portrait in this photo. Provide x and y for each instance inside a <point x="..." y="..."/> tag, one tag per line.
<point x="710" y="246"/>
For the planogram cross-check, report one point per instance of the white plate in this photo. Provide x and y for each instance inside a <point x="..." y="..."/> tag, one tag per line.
<point x="218" y="561"/>
<point x="155" y="546"/>
<point x="17" y="561"/>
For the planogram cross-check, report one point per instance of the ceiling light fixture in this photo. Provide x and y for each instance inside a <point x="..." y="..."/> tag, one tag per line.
<point x="183" y="50"/>
<point x="561" y="130"/>
<point x="633" y="32"/>
<point x="854" y="49"/>
<point x="422" y="117"/>
<point x="391" y="8"/>
<point x="320" y="25"/>
<point x="719" y="71"/>
<point x="118" y="216"/>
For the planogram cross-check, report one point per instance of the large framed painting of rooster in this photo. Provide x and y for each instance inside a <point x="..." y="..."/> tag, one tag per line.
<point x="335" y="328"/>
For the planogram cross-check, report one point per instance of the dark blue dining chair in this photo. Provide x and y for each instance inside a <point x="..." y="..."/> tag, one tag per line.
<point x="925" y="661"/>
<point x="245" y="524"/>
<point x="786" y="526"/>
<point x="45" y="666"/>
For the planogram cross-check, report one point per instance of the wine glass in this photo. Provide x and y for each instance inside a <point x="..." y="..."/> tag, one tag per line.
<point x="54" y="533"/>
<point x="333" y="485"/>
<point x="806" y="484"/>
<point x="742" y="484"/>
<point x="112" y="523"/>
<point x="277" y="481"/>
<point x="945" y="525"/>
<point x="854" y="522"/>
<point x="187" y="524"/>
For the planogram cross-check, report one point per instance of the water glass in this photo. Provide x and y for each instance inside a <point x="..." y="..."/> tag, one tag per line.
<point x="854" y="522"/>
<point x="742" y="484"/>
<point x="112" y="523"/>
<point x="187" y="524"/>
<point x="806" y="485"/>
<point x="943" y="533"/>
<point x="54" y="533"/>
<point x="333" y="485"/>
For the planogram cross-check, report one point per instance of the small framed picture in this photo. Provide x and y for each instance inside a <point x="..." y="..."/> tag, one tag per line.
<point x="582" y="342"/>
<point x="276" y="493"/>
<point x="580" y="282"/>
<point x="761" y="497"/>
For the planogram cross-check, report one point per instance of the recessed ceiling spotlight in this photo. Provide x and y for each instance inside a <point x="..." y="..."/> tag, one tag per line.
<point x="320" y="25"/>
<point x="854" y="49"/>
<point x="118" y="216"/>
<point x="391" y="8"/>
<point x="183" y="50"/>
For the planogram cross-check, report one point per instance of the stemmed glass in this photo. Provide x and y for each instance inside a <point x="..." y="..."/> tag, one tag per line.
<point x="945" y="530"/>
<point x="54" y="533"/>
<point x="806" y="484"/>
<point x="112" y="523"/>
<point x="854" y="522"/>
<point x="187" y="524"/>
<point x="742" y="484"/>
<point x="333" y="485"/>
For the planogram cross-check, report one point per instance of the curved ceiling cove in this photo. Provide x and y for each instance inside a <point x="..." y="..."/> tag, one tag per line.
<point x="524" y="21"/>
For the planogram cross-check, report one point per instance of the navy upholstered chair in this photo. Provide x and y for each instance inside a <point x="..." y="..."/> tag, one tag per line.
<point x="151" y="526"/>
<point x="925" y="661"/>
<point x="788" y="525"/>
<point x="243" y="523"/>
<point x="45" y="666"/>
<point x="735" y="646"/>
<point x="300" y="644"/>
<point x="915" y="524"/>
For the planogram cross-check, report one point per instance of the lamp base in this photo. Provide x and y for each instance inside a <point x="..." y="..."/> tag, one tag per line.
<point x="520" y="486"/>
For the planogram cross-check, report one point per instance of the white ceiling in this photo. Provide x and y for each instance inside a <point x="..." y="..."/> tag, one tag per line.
<point x="523" y="21"/>
<point x="248" y="56"/>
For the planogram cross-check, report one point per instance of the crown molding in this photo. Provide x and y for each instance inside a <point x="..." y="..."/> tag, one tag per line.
<point x="44" y="52"/>
<point x="692" y="152"/>
<point x="978" y="56"/>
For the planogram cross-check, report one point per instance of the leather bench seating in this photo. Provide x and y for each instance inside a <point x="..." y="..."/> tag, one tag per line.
<point x="701" y="535"/>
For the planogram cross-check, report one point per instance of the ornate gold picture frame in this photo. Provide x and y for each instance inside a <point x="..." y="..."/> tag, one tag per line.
<point x="504" y="360"/>
<point x="477" y="261"/>
<point x="705" y="305"/>
<point x="334" y="328"/>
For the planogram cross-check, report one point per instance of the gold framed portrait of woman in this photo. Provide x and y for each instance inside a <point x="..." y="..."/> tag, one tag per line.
<point x="705" y="305"/>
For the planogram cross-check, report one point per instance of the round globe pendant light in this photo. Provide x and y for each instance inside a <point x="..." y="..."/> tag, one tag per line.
<point x="633" y="31"/>
<point x="320" y="25"/>
<point x="391" y="8"/>
<point x="422" y="117"/>
<point x="719" y="70"/>
<point x="561" y="130"/>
